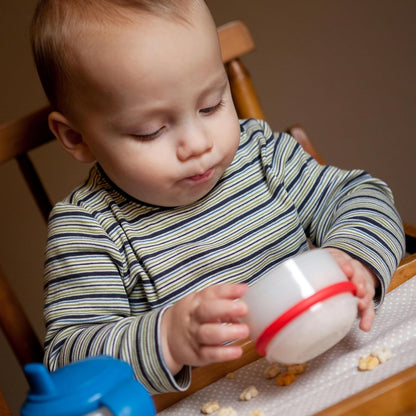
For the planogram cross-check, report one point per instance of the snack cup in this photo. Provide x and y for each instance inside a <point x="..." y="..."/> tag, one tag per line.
<point x="301" y="308"/>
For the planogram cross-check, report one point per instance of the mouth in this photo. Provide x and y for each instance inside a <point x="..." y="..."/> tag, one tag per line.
<point x="202" y="177"/>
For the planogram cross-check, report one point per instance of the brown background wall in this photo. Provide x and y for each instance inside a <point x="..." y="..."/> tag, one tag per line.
<point x="343" y="69"/>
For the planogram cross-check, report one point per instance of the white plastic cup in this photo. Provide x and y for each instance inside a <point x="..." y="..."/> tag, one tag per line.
<point x="301" y="308"/>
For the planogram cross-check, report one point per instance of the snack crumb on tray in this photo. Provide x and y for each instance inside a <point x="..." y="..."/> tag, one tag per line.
<point x="257" y="412"/>
<point x="272" y="371"/>
<point x="371" y="361"/>
<point x="210" y="407"/>
<point x="383" y="354"/>
<point x="296" y="368"/>
<point x="227" y="411"/>
<point x="285" y="379"/>
<point x="249" y="393"/>
<point x="284" y="374"/>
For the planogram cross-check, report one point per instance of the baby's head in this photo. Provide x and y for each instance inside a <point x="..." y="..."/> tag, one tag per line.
<point x="60" y="27"/>
<point x="139" y="86"/>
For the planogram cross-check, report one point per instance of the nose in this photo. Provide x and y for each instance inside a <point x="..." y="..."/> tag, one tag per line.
<point x="194" y="141"/>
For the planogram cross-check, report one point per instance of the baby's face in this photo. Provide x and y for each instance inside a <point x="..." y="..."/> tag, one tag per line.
<point x="155" y="109"/>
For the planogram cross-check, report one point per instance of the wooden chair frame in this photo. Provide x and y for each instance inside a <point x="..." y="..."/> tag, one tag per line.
<point x="17" y="138"/>
<point x="4" y="407"/>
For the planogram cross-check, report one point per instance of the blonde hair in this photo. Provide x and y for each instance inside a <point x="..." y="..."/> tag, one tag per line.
<point x="56" y="22"/>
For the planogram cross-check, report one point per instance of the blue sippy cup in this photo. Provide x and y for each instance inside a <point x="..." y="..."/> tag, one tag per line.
<point x="96" y="386"/>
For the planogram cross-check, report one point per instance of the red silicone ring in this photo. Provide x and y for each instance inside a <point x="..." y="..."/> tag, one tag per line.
<point x="293" y="312"/>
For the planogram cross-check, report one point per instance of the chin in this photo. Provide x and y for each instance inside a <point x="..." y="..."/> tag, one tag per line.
<point x="189" y="199"/>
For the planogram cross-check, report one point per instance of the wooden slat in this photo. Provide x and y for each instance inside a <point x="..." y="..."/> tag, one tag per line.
<point x="235" y="40"/>
<point x="245" y="97"/>
<point x="20" y="136"/>
<point x="393" y="396"/>
<point x="405" y="271"/>
<point x="4" y="408"/>
<point x="409" y="229"/>
<point x="16" y="327"/>
<point x="35" y="185"/>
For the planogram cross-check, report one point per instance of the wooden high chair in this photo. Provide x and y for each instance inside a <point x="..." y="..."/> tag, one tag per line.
<point x="17" y="138"/>
<point x="4" y="407"/>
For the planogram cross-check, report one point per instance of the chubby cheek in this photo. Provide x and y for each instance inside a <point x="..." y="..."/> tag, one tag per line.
<point x="137" y="172"/>
<point x="230" y="136"/>
<point x="142" y="184"/>
<point x="149" y="171"/>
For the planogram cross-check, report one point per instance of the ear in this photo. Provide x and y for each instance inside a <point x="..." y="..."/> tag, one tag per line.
<point x="71" y="140"/>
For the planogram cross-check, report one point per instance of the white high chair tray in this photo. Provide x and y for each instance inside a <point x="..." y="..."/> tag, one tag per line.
<point x="329" y="378"/>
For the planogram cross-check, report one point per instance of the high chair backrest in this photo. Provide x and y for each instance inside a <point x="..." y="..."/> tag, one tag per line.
<point x="236" y="41"/>
<point x="18" y="137"/>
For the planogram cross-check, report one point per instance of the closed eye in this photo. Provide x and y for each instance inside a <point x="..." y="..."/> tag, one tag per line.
<point x="213" y="109"/>
<point x="149" y="136"/>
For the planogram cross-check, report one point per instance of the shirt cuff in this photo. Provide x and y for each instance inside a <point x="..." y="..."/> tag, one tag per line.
<point x="150" y="366"/>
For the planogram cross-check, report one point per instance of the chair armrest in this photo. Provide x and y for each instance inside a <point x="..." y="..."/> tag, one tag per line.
<point x="20" y="136"/>
<point x="405" y="271"/>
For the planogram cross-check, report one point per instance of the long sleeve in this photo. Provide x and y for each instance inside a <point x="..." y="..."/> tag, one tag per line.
<point x="88" y="308"/>
<point x="349" y="210"/>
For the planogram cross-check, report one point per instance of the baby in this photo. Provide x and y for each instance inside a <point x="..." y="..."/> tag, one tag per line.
<point x="186" y="205"/>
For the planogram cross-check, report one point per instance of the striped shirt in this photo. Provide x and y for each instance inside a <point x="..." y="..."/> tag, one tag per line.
<point x="113" y="264"/>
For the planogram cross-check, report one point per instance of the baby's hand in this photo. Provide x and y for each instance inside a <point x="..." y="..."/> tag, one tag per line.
<point x="195" y="328"/>
<point x="364" y="280"/>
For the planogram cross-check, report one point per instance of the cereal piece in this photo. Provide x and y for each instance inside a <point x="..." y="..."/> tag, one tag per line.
<point x="285" y="379"/>
<point x="382" y="354"/>
<point x="227" y="411"/>
<point x="230" y="376"/>
<point x="296" y="368"/>
<point x="249" y="393"/>
<point x="209" y="408"/>
<point x="272" y="371"/>
<point x="257" y="412"/>
<point x="368" y="362"/>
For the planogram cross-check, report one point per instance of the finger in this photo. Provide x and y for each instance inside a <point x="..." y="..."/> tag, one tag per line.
<point x="367" y="318"/>
<point x="217" y="334"/>
<point x="360" y="286"/>
<point x="227" y="291"/>
<point x="214" y="354"/>
<point x="220" y="310"/>
<point x="363" y="282"/>
<point x="343" y="260"/>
